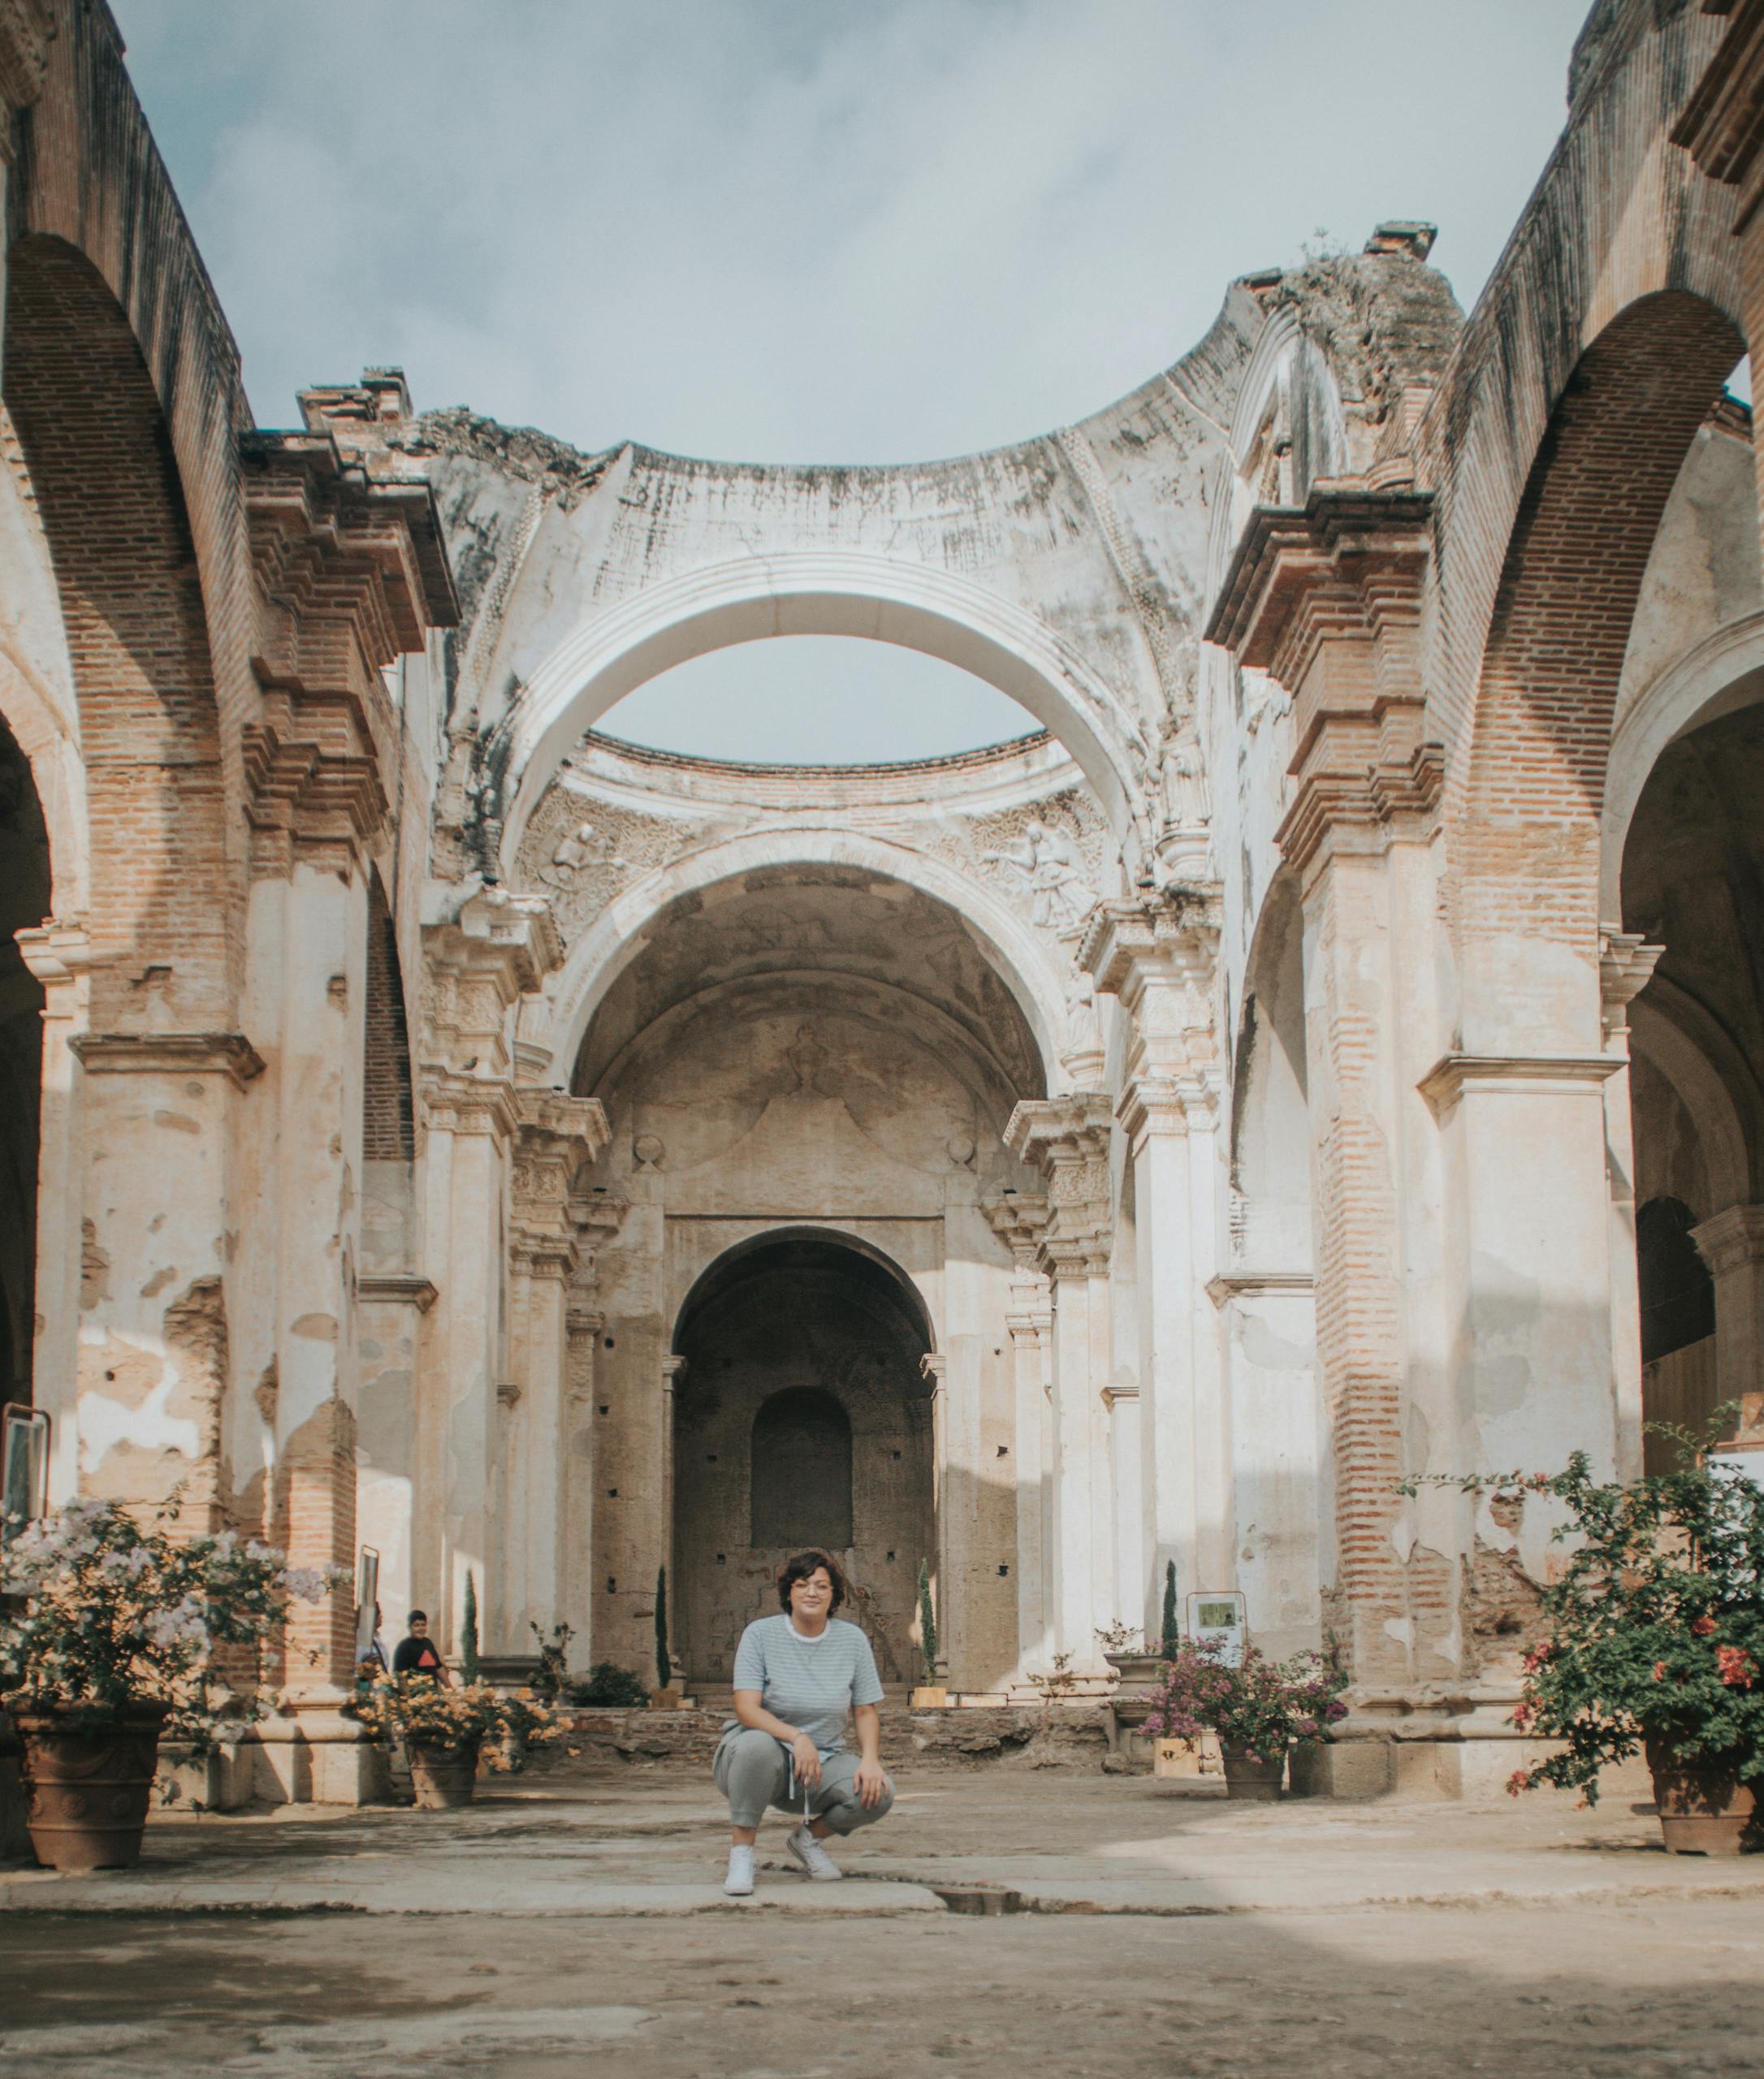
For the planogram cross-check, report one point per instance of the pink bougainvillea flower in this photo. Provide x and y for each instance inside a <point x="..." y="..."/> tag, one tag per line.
<point x="1704" y="1625"/>
<point x="1736" y="1665"/>
<point x="1518" y="1781"/>
<point x="1659" y="1671"/>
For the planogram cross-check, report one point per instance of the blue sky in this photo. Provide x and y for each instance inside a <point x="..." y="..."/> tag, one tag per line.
<point x="812" y="230"/>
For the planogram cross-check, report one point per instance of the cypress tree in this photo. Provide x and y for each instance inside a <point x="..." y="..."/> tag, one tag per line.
<point x="928" y="1625"/>
<point x="1172" y="1639"/>
<point x="665" y="1669"/>
<point x="469" y="1632"/>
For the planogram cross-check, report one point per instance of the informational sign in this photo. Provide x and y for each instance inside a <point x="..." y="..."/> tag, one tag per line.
<point x="24" y="1469"/>
<point x="1219" y="1618"/>
<point x="366" y="1603"/>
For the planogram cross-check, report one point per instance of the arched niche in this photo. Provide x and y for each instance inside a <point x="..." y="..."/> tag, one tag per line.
<point x="800" y="1405"/>
<point x="24" y="900"/>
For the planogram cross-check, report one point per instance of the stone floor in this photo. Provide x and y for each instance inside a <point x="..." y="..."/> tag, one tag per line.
<point x="999" y="1917"/>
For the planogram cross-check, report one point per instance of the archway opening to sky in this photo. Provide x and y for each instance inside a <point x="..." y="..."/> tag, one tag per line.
<point x="817" y="700"/>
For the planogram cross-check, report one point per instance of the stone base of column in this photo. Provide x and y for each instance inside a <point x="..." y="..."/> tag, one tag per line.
<point x="220" y="1781"/>
<point x="310" y="1754"/>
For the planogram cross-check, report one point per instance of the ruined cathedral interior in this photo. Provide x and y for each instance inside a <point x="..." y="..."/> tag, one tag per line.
<point x="1326" y="1044"/>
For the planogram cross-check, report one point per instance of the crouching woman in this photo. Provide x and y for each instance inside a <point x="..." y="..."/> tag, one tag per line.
<point x="798" y="1677"/>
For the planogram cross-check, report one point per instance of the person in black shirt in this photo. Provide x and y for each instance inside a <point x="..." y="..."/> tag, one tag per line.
<point x="417" y="1654"/>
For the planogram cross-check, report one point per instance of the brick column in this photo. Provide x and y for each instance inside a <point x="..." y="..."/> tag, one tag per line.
<point x="1018" y="1219"/>
<point x="1328" y="599"/>
<point x="1066" y="1138"/>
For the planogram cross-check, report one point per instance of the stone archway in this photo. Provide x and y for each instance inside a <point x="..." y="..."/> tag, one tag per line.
<point x="802" y="1416"/>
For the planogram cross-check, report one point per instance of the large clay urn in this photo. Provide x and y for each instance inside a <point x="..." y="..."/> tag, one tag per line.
<point x="87" y="1790"/>
<point x="444" y="1778"/>
<point x="1705" y="1809"/>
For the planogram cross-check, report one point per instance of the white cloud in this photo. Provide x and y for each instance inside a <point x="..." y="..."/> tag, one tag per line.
<point x="826" y="230"/>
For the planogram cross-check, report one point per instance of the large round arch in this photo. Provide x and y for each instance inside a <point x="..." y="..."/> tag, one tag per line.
<point x="821" y="593"/>
<point x="802" y="1416"/>
<point x="596" y="960"/>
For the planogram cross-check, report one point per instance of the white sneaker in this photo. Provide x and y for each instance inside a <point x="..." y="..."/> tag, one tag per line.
<point x="813" y="1857"/>
<point x="740" y="1879"/>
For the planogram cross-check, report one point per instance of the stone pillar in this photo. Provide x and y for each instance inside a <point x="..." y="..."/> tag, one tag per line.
<point x="348" y="577"/>
<point x="1158" y="958"/>
<point x="1066" y="1138"/>
<point x="58" y="954"/>
<point x="1733" y="1245"/>
<point x="555" y="1137"/>
<point x="1625" y="965"/>
<point x="476" y="965"/>
<point x="1018" y="1219"/>
<point x="390" y="1308"/>
<point x="582" y="1325"/>
<point x="1125" y="1513"/>
<point x="672" y="1370"/>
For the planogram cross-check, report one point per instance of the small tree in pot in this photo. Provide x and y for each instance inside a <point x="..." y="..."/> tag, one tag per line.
<point x="1260" y="1709"/>
<point x="112" y="1637"/>
<point x="930" y="1694"/>
<point x="1653" y="1640"/>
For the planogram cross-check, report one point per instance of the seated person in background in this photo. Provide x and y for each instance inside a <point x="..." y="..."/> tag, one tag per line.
<point x="417" y="1654"/>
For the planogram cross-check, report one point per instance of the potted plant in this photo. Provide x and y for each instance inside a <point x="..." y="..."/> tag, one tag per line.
<point x="1124" y="1649"/>
<point x="1652" y="1640"/>
<point x="1260" y="1709"/>
<point x="446" y="1727"/>
<point x="111" y="1638"/>
<point x="930" y="1694"/>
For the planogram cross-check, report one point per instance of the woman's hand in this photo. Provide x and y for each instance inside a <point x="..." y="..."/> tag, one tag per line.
<point x="872" y="1785"/>
<point x="806" y="1757"/>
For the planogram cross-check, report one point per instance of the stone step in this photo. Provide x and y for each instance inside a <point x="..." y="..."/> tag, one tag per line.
<point x="687" y="1739"/>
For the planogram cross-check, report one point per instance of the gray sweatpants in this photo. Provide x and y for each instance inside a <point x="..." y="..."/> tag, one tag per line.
<point x="753" y="1771"/>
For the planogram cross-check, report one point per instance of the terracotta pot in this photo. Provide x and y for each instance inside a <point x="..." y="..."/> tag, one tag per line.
<point x="1703" y="1810"/>
<point x="1248" y="1775"/>
<point x="444" y="1778"/>
<point x="87" y="1792"/>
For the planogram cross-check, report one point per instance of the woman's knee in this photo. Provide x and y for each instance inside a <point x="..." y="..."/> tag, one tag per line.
<point x="850" y="1812"/>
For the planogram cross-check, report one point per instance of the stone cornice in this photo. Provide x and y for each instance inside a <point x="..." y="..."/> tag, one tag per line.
<point x="1248" y="1284"/>
<point x="1349" y="563"/>
<point x="1454" y="1076"/>
<point x="333" y="539"/>
<point x="457" y="1103"/>
<point x="398" y="1288"/>
<point x="1159" y="958"/>
<point x="313" y="775"/>
<point x="1722" y="124"/>
<point x="1017" y="1218"/>
<point x="230" y="1054"/>
<point x="499" y="946"/>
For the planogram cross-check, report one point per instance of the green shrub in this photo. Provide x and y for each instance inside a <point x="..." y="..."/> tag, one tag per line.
<point x="609" y="1687"/>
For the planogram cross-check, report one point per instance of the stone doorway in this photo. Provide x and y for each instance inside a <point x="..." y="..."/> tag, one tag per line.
<point x="802" y="1417"/>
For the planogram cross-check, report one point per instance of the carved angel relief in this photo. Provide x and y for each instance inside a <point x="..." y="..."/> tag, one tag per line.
<point x="1051" y="876"/>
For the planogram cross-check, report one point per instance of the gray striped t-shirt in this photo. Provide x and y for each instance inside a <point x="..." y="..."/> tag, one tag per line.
<point x="814" y="1685"/>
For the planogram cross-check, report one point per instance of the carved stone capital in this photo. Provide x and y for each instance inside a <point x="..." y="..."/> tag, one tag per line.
<point x="1730" y="1239"/>
<point x="1159" y="958"/>
<point x="1066" y="1139"/>
<point x="398" y="1289"/>
<point x="1018" y="1219"/>
<point x="1626" y="964"/>
<point x="467" y="1103"/>
<point x="500" y="945"/>
<point x="312" y="773"/>
<point x="59" y="953"/>
<point x="554" y="1136"/>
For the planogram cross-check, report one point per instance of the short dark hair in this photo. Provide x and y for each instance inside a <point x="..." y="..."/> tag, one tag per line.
<point x="800" y="1566"/>
<point x="417" y="1617"/>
